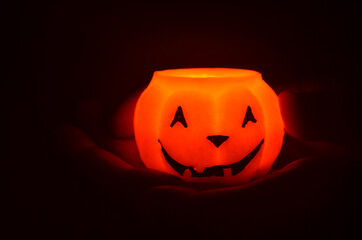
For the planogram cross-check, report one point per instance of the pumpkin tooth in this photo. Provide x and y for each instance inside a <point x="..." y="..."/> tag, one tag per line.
<point x="199" y="169"/>
<point x="227" y="172"/>
<point x="187" y="173"/>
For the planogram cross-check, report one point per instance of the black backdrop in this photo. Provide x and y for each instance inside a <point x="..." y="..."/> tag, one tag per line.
<point x="59" y="53"/>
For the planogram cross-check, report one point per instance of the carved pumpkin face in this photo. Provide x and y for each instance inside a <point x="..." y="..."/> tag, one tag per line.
<point x="209" y="125"/>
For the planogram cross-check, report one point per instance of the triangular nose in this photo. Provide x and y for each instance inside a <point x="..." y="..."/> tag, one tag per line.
<point x="217" y="140"/>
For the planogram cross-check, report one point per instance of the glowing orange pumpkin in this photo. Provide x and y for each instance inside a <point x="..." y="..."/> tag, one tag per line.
<point x="209" y="124"/>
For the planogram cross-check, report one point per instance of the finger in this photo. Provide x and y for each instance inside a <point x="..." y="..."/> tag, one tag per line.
<point x="89" y="116"/>
<point x="71" y="140"/>
<point x="121" y="124"/>
<point x="78" y="145"/>
<point x="322" y="115"/>
<point x="125" y="149"/>
<point x="294" y="149"/>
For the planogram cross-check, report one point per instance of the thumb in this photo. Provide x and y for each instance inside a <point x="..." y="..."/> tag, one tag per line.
<point x="330" y="116"/>
<point x="121" y="123"/>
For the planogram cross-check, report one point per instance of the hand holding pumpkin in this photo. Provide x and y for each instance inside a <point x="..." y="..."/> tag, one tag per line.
<point x="295" y="192"/>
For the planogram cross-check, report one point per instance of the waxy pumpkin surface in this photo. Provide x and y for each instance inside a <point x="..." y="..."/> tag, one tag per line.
<point x="209" y="124"/>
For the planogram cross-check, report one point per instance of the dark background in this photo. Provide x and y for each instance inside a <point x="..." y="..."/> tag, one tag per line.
<point x="60" y="53"/>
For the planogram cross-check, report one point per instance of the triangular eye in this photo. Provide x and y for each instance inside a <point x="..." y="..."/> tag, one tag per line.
<point x="248" y="117"/>
<point x="179" y="117"/>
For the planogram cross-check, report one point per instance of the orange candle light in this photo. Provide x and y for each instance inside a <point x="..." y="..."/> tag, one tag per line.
<point x="209" y="124"/>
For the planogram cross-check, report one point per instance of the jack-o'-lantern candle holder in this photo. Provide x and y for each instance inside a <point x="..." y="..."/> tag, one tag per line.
<point x="209" y="124"/>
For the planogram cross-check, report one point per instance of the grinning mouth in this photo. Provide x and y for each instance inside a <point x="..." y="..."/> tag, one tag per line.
<point x="217" y="170"/>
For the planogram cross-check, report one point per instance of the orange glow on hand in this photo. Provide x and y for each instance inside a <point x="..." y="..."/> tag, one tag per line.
<point x="209" y="124"/>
